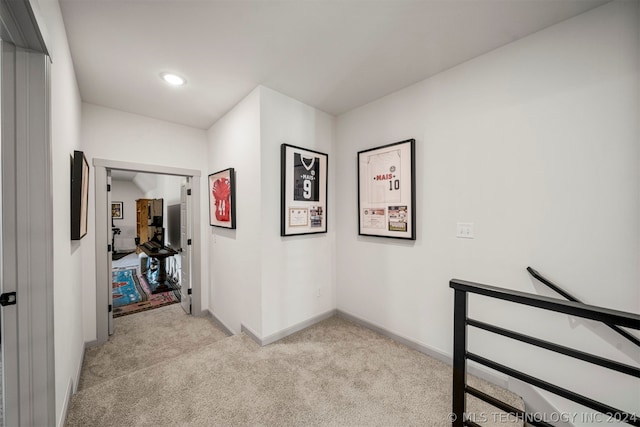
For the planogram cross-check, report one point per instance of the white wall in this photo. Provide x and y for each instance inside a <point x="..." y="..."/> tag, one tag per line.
<point x="168" y="188"/>
<point x="115" y="135"/>
<point x="261" y="280"/>
<point x="127" y="193"/>
<point x="67" y="254"/>
<point x="234" y="255"/>
<point x="535" y="143"/>
<point x="294" y="268"/>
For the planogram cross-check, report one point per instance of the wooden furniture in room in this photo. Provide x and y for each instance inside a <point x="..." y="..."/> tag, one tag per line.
<point x="149" y="222"/>
<point x="157" y="280"/>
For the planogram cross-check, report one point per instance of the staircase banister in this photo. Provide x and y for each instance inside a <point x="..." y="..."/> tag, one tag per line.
<point x="573" y="308"/>
<point x="634" y="339"/>
<point x="551" y="285"/>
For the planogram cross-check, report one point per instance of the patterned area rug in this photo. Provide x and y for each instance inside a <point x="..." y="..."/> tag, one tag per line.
<point x="125" y="287"/>
<point x="146" y="301"/>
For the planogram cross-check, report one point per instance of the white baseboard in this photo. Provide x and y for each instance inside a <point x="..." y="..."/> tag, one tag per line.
<point x="489" y="376"/>
<point x="277" y="336"/>
<point x="226" y="329"/>
<point x="66" y="404"/>
<point x="72" y="386"/>
<point x="251" y="334"/>
<point x="76" y="379"/>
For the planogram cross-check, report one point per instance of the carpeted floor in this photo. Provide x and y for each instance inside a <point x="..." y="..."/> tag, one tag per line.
<point x="335" y="373"/>
<point x="145" y="339"/>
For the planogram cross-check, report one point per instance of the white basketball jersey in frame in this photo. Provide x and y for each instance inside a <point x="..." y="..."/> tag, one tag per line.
<point x="384" y="177"/>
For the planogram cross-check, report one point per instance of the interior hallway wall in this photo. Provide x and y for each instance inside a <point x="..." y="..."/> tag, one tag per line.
<point x="127" y="193"/>
<point x="67" y="254"/>
<point x="168" y="188"/>
<point x="298" y="272"/>
<point x="259" y="279"/>
<point x="117" y="135"/>
<point x="536" y="143"/>
<point x="234" y="255"/>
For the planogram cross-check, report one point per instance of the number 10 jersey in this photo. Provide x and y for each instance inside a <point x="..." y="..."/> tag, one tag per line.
<point x="384" y="177"/>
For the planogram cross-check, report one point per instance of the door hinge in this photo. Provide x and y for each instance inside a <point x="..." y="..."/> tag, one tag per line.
<point x="189" y="291"/>
<point x="8" y="298"/>
<point x="188" y="242"/>
<point x="108" y="248"/>
<point x="188" y="191"/>
<point x="108" y="187"/>
<point x="110" y="308"/>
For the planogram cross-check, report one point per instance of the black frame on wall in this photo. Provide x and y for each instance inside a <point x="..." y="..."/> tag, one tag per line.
<point x="225" y="174"/>
<point x="387" y="212"/>
<point x="79" y="195"/>
<point x="298" y="215"/>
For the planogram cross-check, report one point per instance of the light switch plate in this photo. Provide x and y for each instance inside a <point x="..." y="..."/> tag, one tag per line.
<point x="465" y="230"/>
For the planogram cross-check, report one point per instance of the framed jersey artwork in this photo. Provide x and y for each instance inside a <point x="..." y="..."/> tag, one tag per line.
<point x="386" y="191"/>
<point x="303" y="191"/>
<point x="222" y="199"/>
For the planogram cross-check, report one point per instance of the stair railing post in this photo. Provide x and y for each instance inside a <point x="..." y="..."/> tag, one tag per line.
<point x="459" y="357"/>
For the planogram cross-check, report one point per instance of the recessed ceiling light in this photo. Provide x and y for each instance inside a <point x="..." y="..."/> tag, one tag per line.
<point x="173" y="79"/>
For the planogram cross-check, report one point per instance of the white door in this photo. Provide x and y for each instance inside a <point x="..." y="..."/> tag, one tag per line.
<point x="8" y="327"/>
<point x="110" y="252"/>
<point x="27" y="395"/>
<point x="2" y="321"/>
<point x="185" y="247"/>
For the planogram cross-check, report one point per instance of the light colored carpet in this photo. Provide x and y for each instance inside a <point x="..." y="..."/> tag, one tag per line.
<point x="145" y="339"/>
<point x="335" y="373"/>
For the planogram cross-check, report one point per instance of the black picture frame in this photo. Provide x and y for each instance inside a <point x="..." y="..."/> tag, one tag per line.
<point x="79" y="195"/>
<point x="117" y="210"/>
<point x="222" y="199"/>
<point x="387" y="191"/>
<point x="303" y="193"/>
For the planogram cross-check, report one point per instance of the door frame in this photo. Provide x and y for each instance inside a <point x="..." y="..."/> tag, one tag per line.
<point x="27" y="218"/>
<point x="103" y="275"/>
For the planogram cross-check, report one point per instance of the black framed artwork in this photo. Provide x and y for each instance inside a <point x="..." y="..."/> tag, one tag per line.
<point x="303" y="191"/>
<point x="222" y="199"/>
<point x="386" y="191"/>
<point x="79" y="195"/>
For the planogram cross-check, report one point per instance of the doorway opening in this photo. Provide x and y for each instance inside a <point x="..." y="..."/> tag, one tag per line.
<point x="188" y="181"/>
<point x="147" y="248"/>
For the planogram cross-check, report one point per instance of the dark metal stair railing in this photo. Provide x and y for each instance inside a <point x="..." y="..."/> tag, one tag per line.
<point x="570" y="297"/>
<point x="461" y="354"/>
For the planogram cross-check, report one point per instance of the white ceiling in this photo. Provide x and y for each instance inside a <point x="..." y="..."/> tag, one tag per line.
<point x="118" y="175"/>
<point x="331" y="54"/>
